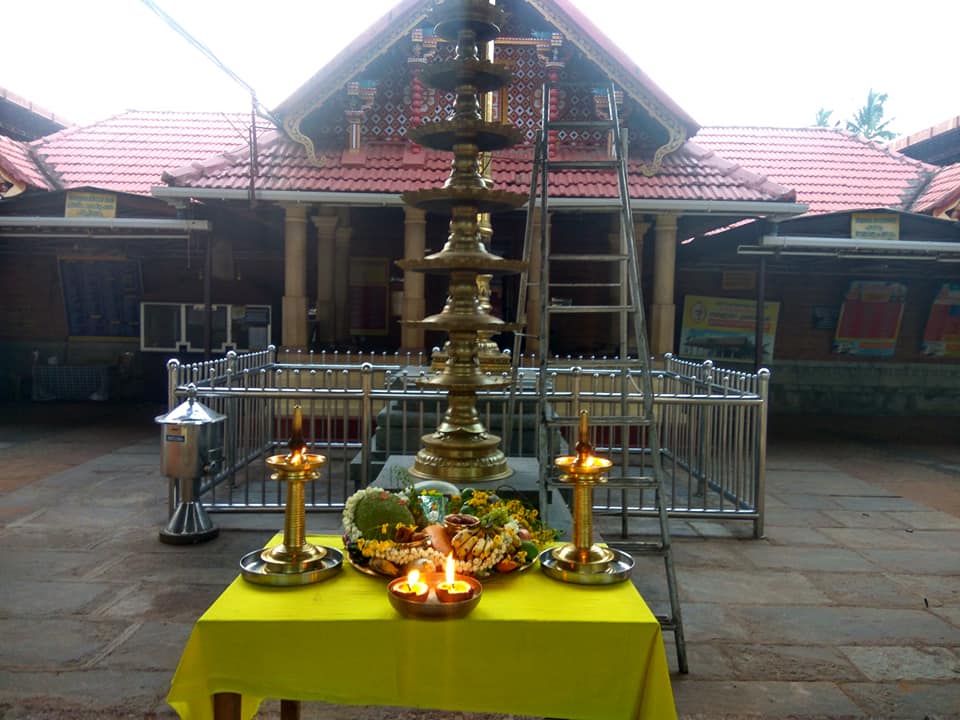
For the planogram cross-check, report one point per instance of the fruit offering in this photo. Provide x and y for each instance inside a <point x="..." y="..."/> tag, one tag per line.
<point x="393" y="532"/>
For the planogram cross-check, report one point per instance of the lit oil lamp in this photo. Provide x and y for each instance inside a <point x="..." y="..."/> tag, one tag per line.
<point x="451" y="589"/>
<point x="294" y="561"/>
<point x="410" y="588"/>
<point x="582" y="561"/>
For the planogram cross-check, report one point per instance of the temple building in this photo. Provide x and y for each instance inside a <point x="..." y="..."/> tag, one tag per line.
<point x="159" y="234"/>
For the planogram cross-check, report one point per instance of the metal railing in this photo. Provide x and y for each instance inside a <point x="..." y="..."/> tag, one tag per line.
<point x="360" y="408"/>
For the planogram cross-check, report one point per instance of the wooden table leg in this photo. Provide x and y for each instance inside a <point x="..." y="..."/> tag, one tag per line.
<point x="226" y="706"/>
<point x="289" y="710"/>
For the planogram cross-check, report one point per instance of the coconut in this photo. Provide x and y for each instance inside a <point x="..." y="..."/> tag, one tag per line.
<point x="375" y="511"/>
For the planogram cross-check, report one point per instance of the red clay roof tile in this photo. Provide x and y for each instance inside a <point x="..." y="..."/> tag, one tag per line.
<point x="129" y="152"/>
<point x="831" y="170"/>
<point x="17" y="164"/>
<point x="942" y="191"/>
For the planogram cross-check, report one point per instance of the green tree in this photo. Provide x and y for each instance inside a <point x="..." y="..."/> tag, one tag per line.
<point x="823" y="118"/>
<point x="868" y="121"/>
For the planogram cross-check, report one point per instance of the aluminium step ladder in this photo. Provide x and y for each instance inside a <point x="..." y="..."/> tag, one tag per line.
<point x="626" y="305"/>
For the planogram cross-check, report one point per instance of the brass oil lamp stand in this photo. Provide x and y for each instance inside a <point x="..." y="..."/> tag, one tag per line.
<point x="582" y="561"/>
<point x="294" y="561"/>
<point x="461" y="450"/>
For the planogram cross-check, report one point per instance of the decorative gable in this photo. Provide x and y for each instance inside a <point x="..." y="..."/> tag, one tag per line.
<point x="542" y="40"/>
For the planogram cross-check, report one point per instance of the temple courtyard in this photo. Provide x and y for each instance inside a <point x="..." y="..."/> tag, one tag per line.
<point x="848" y="608"/>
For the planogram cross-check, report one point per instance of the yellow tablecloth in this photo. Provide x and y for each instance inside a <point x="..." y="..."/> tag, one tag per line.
<point x="533" y="646"/>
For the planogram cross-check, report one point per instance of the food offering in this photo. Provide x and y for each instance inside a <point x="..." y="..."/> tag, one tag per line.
<point x="391" y="533"/>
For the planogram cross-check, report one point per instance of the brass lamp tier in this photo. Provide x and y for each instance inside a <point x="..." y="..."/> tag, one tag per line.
<point x="481" y="199"/>
<point x="582" y="561"/>
<point x="482" y="75"/>
<point x="461" y="450"/>
<point x="448" y="134"/>
<point x="476" y="17"/>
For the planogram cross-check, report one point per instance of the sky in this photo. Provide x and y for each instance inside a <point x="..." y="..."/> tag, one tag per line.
<point x="725" y="62"/>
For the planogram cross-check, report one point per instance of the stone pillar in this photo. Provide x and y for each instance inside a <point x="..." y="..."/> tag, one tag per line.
<point x="326" y="225"/>
<point x="294" y="330"/>
<point x="341" y="279"/>
<point x="414" y="305"/>
<point x="533" y="286"/>
<point x="664" y="311"/>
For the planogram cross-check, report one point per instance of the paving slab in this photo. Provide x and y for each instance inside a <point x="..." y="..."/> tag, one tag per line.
<point x="866" y="590"/>
<point x="29" y="598"/>
<point x="937" y="590"/>
<point x="862" y="519"/>
<point x="791" y="517"/>
<point x="784" y="535"/>
<point x="750" y="661"/>
<point x="153" y="646"/>
<point x="83" y="694"/>
<point x="867" y="502"/>
<point x="927" y="520"/>
<point x="762" y="699"/>
<point x="48" y="643"/>
<point x="804" y="624"/>
<point x="745" y="587"/>
<point x="933" y="562"/>
<point x="803" y="501"/>
<point x="875" y="538"/>
<point x="825" y="559"/>
<point x="896" y="663"/>
<point x="905" y="700"/>
<point x="159" y="601"/>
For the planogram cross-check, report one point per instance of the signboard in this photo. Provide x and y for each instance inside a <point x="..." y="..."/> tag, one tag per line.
<point x="942" y="335"/>
<point x="724" y="328"/>
<point x="874" y="226"/>
<point x="81" y="204"/>
<point x="870" y="319"/>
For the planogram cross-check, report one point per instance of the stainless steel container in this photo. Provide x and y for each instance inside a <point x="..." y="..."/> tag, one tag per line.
<point x="191" y="446"/>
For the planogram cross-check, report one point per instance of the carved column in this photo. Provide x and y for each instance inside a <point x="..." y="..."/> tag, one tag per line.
<point x="664" y="311"/>
<point x="341" y="278"/>
<point x="326" y="225"/>
<point x="414" y="305"/>
<point x="294" y="330"/>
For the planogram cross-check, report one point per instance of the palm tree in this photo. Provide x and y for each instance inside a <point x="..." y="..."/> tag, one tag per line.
<point x="823" y="118"/>
<point x="869" y="122"/>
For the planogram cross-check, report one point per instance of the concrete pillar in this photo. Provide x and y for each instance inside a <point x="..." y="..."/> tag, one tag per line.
<point x="664" y="311"/>
<point x="294" y="330"/>
<point x="341" y="278"/>
<point x="533" y="286"/>
<point x="326" y="225"/>
<point x="414" y="305"/>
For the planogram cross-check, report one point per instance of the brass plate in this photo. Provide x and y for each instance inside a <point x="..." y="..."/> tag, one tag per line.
<point x="617" y="571"/>
<point x="432" y="608"/>
<point x="494" y="576"/>
<point x="254" y="569"/>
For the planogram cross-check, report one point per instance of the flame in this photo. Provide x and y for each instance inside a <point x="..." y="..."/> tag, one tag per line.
<point x="296" y="457"/>
<point x="450" y="569"/>
<point x="413" y="577"/>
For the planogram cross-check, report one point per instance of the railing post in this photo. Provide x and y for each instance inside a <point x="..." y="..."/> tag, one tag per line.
<point x="366" y="421"/>
<point x="173" y="375"/>
<point x="763" y="376"/>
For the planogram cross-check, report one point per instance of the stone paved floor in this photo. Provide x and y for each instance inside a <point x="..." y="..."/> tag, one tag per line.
<point x="849" y="608"/>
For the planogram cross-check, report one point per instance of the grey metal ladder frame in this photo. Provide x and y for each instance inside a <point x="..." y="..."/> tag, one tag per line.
<point x="539" y="197"/>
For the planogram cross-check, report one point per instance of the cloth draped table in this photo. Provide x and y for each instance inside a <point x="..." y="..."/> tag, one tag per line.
<point x="533" y="646"/>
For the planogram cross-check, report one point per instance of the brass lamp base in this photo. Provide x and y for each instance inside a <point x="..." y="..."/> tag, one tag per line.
<point x="583" y="560"/>
<point x="283" y="559"/>
<point x="461" y="460"/>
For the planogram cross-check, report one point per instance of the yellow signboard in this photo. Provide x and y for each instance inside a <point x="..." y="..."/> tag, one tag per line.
<point x="725" y="328"/>
<point x="83" y="204"/>
<point x="874" y="226"/>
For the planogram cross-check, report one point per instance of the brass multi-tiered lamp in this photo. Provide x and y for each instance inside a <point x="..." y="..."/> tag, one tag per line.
<point x="461" y="449"/>
<point x="294" y="561"/>
<point x="582" y="561"/>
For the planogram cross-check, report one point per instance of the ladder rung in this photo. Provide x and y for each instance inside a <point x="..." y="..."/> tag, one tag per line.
<point x="568" y="309"/>
<point x="609" y="257"/>
<point x="582" y="164"/>
<point x="579" y="124"/>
